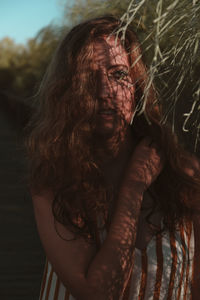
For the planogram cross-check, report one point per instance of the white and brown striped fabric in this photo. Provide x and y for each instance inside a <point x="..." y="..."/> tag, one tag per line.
<point x="163" y="271"/>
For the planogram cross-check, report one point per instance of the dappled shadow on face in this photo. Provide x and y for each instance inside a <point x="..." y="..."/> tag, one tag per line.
<point x="114" y="94"/>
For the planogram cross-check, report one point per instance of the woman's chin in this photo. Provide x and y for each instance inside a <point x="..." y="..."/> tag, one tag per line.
<point x="104" y="133"/>
<point x="109" y="127"/>
<point x="105" y="128"/>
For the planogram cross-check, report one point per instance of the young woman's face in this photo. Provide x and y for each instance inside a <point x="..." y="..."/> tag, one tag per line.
<point x="115" y="89"/>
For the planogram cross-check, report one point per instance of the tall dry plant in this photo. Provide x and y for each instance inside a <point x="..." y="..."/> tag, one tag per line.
<point x="169" y="33"/>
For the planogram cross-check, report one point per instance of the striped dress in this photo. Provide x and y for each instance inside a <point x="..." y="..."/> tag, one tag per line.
<point x="163" y="270"/>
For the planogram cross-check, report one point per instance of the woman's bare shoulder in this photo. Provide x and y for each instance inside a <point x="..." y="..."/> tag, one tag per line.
<point x="46" y="193"/>
<point x="42" y="200"/>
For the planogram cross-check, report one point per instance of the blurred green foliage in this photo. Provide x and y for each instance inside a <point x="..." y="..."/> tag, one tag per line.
<point x="22" y="66"/>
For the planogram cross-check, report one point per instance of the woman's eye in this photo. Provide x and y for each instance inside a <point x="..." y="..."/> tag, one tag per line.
<point x="120" y="74"/>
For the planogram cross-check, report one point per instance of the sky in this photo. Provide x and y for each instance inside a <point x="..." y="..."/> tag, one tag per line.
<point x="22" y="19"/>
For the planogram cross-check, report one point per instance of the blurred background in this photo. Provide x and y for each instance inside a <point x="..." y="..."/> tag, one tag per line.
<point x="169" y="32"/>
<point x="29" y="32"/>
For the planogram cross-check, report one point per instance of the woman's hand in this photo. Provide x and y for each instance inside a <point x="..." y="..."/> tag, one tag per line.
<point x="146" y="163"/>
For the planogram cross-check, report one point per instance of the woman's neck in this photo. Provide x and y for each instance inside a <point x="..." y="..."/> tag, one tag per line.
<point x="114" y="166"/>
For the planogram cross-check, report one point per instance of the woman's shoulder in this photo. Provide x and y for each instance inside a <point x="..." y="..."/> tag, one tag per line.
<point x="43" y="195"/>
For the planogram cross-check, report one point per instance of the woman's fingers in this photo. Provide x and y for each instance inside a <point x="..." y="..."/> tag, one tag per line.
<point x="147" y="160"/>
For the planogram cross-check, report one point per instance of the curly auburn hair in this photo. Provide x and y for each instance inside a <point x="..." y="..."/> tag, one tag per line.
<point x="60" y="142"/>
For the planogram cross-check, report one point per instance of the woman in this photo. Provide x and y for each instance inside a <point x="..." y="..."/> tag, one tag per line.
<point x="115" y="196"/>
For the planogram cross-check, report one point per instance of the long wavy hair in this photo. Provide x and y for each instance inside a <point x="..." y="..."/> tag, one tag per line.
<point x="60" y="140"/>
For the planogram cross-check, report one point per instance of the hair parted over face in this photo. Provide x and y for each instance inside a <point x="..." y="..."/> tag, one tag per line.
<point x="69" y="90"/>
<point x="107" y="74"/>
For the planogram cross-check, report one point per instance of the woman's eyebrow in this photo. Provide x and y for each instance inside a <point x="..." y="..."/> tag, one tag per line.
<point x="115" y="66"/>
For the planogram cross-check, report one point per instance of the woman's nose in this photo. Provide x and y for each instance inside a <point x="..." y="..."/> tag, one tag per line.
<point x="105" y="87"/>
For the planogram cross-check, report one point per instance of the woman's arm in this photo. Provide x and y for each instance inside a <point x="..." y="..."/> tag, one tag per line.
<point x="102" y="275"/>
<point x="110" y="269"/>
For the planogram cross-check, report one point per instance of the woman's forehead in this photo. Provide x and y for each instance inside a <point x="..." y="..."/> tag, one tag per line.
<point x="109" y="50"/>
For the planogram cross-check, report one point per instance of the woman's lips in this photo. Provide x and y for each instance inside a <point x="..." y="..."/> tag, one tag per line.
<point x="107" y="114"/>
